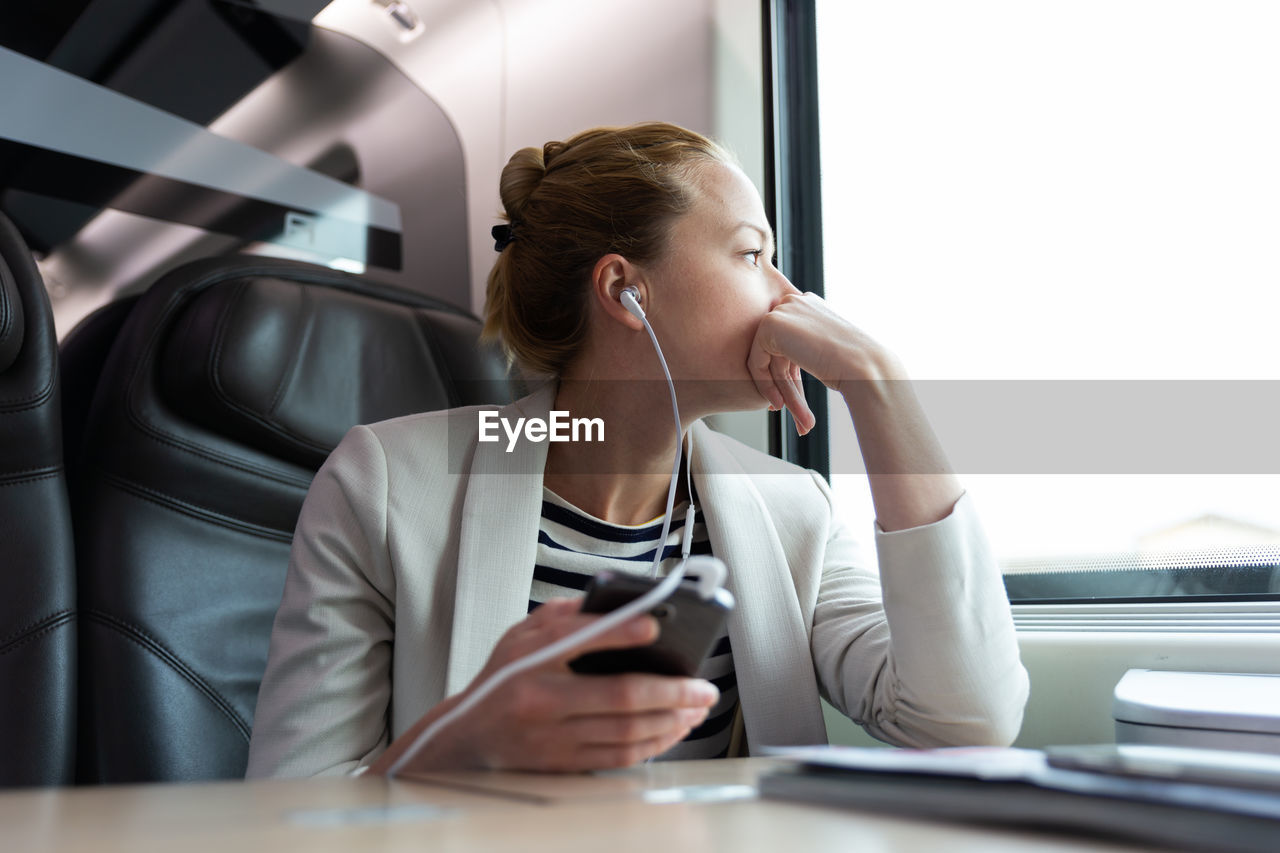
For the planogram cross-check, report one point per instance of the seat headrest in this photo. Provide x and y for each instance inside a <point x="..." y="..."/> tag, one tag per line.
<point x="287" y="368"/>
<point x="11" y="317"/>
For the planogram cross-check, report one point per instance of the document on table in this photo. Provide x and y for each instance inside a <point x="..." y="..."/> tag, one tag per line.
<point x="1021" y="787"/>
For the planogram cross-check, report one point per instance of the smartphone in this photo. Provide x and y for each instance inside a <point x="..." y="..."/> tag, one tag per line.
<point x="690" y="626"/>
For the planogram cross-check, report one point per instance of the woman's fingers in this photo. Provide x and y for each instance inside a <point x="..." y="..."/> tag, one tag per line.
<point x="630" y="729"/>
<point x="558" y="618"/>
<point x="804" y="330"/>
<point x="760" y="366"/>
<point x="566" y="721"/>
<point x="602" y="741"/>
<point x="777" y="379"/>
<point x="639" y="630"/>
<point x="783" y="340"/>
<point x="804" y="416"/>
<point x="555" y="696"/>
<point x="786" y="377"/>
<point x="625" y="754"/>
<point x="586" y="757"/>
<point x="634" y="693"/>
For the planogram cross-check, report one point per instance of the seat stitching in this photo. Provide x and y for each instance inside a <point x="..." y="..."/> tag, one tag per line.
<point x="141" y="638"/>
<point x="34" y="401"/>
<point x="34" y="630"/>
<point x="228" y="461"/>
<point x="29" y="475"/>
<point x="196" y="512"/>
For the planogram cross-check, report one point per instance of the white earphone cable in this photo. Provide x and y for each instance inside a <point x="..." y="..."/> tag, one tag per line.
<point x="675" y="467"/>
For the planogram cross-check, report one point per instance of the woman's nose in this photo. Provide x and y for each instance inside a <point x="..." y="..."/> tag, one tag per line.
<point x="784" y="287"/>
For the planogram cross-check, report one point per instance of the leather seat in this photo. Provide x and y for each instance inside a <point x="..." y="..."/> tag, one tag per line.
<point x="81" y="356"/>
<point x="228" y="385"/>
<point x="37" y="569"/>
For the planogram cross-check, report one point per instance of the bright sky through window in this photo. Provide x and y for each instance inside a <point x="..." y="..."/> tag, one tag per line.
<point x="1019" y="190"/>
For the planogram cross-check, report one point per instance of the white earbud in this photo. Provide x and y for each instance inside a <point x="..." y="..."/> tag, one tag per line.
<point x="630" y="299"/>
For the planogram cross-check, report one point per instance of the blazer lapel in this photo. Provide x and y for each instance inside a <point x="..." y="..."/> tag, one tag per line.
<point x="498" y="542"/>
<point x="771" y="655"/>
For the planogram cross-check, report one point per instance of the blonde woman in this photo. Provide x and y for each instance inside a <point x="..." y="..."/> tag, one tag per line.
<point x="422" y="553"/>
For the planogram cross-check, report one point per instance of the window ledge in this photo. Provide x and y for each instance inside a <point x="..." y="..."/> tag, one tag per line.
<point x="1247" y="617"/>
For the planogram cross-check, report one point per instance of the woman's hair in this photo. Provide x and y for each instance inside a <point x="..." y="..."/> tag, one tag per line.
<point x="605" y="190"/>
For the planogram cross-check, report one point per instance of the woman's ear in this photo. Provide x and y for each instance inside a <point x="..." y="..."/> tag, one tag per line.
<point x="613" y="274"/>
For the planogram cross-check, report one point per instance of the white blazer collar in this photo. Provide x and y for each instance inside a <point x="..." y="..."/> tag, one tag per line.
<point x="498" y="541"/>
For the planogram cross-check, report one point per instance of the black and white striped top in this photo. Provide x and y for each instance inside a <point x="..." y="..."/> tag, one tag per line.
<point x="573" y="546"/>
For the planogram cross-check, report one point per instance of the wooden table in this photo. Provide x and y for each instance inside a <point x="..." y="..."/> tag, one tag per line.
<point x="659" y="808"/>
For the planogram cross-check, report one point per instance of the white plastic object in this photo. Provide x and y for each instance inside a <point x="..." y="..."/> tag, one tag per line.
<point x="1216" y="710"/>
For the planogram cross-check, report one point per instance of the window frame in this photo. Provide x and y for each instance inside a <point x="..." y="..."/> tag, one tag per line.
<point x="793" y="194"/>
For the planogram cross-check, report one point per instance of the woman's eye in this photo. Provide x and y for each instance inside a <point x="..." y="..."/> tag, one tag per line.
<point x="754" y="255"/>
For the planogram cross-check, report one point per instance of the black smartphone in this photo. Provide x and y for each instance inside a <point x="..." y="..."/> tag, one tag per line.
<point x="690" y="626"/>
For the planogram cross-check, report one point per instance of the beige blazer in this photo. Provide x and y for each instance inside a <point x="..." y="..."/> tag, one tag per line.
<point x="415" y="549"/>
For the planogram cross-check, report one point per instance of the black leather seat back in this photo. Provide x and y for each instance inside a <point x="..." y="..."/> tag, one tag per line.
<point x="229" y="384"/>
<point x="81" y="356"/>
<point x="37" y="569"/>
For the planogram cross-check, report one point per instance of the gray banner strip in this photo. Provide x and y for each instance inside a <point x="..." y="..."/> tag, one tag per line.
<point x="1022" y="427"/>
<point x="1107" y="427"/>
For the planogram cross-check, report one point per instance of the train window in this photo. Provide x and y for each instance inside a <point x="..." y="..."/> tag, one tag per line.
<point x="1063" y="217"/>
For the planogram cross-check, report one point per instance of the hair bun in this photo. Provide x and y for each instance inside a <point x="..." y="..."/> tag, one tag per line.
<point x="552" y="150"/>
<point x="520" y="177"/>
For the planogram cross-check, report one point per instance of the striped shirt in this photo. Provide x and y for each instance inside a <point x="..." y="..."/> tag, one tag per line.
<point x="573" y="546"/>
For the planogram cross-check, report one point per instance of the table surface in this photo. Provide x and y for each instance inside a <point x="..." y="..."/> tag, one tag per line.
<point x="657" y="808"/>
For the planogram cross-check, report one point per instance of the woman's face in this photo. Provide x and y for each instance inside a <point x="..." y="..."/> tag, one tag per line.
<point x="708" y="294"/>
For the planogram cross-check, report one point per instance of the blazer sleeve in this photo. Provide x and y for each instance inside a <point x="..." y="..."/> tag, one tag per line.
<point x="925" y="655"/>
<point x="323" y="704"/>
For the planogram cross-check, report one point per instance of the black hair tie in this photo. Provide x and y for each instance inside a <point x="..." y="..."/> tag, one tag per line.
<point x="503" y="236"/>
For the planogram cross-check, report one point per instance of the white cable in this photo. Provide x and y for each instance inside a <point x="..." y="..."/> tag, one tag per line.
<point x="686" y="542"/>
<point x="675" y="467"/>
<point x="643" y="604"/>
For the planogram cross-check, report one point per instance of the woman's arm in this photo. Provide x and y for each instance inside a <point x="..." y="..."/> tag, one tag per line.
<point x="322" y="705"/>
<point x="911" y="480"/>
<point x="922" y="653"/>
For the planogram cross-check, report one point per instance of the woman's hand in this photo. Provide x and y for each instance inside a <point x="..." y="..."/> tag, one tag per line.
<point x="911" y="480"/>
<point x="803" y="333"/>
<point x="551" y="718"/>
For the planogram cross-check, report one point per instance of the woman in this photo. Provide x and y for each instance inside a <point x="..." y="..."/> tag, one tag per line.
<point x="414" y="560"/>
